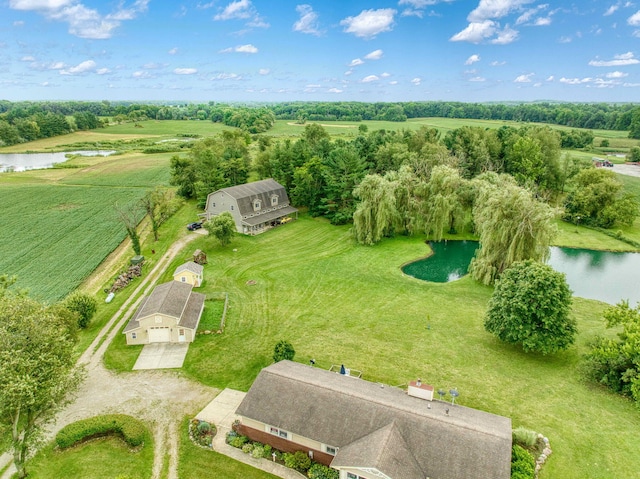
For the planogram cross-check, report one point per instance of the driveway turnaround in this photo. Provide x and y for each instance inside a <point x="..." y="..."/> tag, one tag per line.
<point x="162" y="356"/>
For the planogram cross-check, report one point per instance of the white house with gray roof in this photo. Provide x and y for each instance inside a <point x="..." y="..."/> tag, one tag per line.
<point x="369" y="431"/>
<point x="255" y="207"/>
<point x="170" y="314"/>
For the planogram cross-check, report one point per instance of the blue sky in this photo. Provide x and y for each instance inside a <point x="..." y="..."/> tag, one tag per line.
<point x="280" y="50"/>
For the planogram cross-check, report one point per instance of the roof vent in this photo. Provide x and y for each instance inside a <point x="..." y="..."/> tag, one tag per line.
<point x="420" y="390"/>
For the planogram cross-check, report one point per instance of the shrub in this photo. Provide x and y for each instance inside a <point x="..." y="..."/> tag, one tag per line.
<point x="266" y="451"/>
<point x="283" y="350"/>
<point x="523" y="465"/>
<point x="83" y="304"/>
<point x="299" y="461"/>
<point x="524" y="437"/>
<point x="202" y="432"/>
<point x="318" y="471"/>
<point x="204" y="427"/>
<point x="258" y="451"/>
<point x="247" y="448"/>
<point x="132" y="431"/>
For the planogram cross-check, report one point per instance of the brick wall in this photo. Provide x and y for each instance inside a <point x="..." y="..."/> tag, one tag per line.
<point x="283" y="445"/>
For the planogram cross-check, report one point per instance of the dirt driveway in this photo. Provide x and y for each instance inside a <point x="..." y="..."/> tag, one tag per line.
<point x="627" y="169"/>
<point x="161" y="398"/>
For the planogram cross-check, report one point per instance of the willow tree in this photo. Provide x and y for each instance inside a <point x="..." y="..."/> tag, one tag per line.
<point x="376" y="212"/>
<point x="446" y="212"/>
<point x="512" y="224"/>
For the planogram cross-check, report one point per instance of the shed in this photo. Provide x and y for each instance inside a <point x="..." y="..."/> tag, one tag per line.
<point x="189" y="272"/>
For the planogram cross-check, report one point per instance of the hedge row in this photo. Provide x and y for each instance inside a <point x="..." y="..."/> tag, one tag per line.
<point x="132" y="431"/>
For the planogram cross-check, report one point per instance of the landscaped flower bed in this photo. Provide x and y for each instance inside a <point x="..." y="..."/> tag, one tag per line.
<point x="202" y="432"/>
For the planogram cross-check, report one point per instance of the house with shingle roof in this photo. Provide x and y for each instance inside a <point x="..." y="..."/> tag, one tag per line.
<point x="189" y="272"/>
<point x="170" y="314"/>
<point x="255" y="207"/>
<point x="370" y="431"/>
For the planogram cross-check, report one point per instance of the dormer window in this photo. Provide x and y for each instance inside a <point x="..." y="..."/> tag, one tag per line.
<point x="257" y="204"/>
<point x="274" y="200"/>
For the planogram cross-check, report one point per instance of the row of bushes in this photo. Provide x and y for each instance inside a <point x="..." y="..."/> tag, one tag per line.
<point x="132" y="431"/>
<point x="298" y="460"/>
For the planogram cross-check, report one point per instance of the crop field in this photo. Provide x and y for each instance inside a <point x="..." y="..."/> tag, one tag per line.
<point x="341" y="303"/>
<point x="58" y="225"/>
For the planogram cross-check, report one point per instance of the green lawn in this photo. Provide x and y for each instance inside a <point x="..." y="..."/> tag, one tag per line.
<point x="197" y="463"/>
<point x="345" y="304"/>
<point x="105" y="458"/>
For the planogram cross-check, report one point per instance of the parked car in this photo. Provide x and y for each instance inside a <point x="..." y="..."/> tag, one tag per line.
<point x="194" y="226"/>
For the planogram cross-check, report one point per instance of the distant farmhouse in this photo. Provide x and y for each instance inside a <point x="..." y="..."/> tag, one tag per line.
<point x="170" y="314"/>
<point x="368" y="431"/>
<point x="255" y="207"/>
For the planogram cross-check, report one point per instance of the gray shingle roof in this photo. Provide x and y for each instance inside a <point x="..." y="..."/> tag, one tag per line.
<point x="190" y="266"/>
<point x="173" y="299"/>
<point x="339" y="410"/>
<point x="262" y="190"/>
<point x="269" y="216"/>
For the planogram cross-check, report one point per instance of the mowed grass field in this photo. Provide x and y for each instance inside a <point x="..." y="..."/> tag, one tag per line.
<point x="58" y="225"/>
<point x="341" y="303"/>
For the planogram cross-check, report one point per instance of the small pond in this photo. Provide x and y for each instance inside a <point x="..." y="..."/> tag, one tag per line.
<point x="35" y="161"/>
<point x="600" y="275"/>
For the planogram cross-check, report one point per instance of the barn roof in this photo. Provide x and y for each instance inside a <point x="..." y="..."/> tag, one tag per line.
<point x="262" y="190"/>
<point x="340" y="410"/>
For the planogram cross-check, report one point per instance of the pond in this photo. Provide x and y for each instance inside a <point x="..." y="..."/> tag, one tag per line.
<point x="600" y="275"/>
<point x="35" y="161"/>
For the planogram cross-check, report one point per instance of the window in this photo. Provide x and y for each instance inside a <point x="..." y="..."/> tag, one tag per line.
<point x="158" y="319"/>
<point x="354" y="476"/>
<point x="134" y="335"/>
<point x="231" y="207"/>
<point x="278" y="432"/>
<point x="257" y="204"/>
<point x="181" y="332"/>
<point x="330" y="450"/>
<point x="183" y="279"/>
<point x="213" y="205"/>
<point x="274" y="200"/>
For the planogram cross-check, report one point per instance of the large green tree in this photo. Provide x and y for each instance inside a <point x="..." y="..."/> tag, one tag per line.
<point x="160" y="204"/>
<point x="512" y="224"/>
<point x="616" y="363"/>
<point x="222" y="227"/>
<point x="531" y="306"/>
<point x="598" y="199"/>
<point x="376" y="213"/>
<point x="37" y="369"/>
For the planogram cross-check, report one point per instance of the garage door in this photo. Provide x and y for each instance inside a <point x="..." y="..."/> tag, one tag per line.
<point x="159" y="335"/>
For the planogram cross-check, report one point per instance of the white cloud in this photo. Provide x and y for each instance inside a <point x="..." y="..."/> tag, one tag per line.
<point x="505" y="36"/>
<point x="308" y="21"/>
<point x="241" y="49"/>
<point x="550" y="78"/>
<point x="84" y="67"/>
<point x="475" y="32"/>
<point x="416" y="81"/>
<point x="152" y="66"/>
<point x="526" y="78"/>
<point x="542" y="21"/>
<point x="348" y="72"/>
<point x="242" y="10"/>
<point x="393" y="82"/>
<point x="18" y="23"/>
<point x="477" y="79"/>
<point x="235" y="10"/>
<point x="83" y="22"/>
<point x="494" y="9"/>
<point x="227" y="76"/>
<point x="185" y="71"/>
<point x="496" y="63"/>
<point x="618" y="61"/>
<point x="264" y="71"/>
<point x="634" y="19"/>
<point x="370" y="23"/>
<point x="565" y="40"/>
<point x="416" y="7"/>
<point x="335" y="90"/>
<point x="385" y="75"/>
<point x="355" y="62"/>
<point x="472" y="59"/>
<point x="610" y="10"/>
<point x="173" y="51"/>
<point x="370" y="78"/>
<point x="141" y="75"/>
<point x="28" y="59"/>
<point x="374" y="55"/>
<point x="103" y="71"/>
<point x="575" y="81"/>
<point x="616" y="74"/>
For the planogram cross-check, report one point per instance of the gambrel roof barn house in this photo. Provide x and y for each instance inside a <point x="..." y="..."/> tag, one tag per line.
<point x="368" y="431"/>
<point x="255" y="207"/>
<point x="170" y="314"/>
